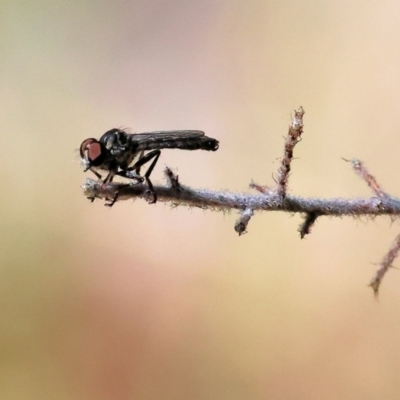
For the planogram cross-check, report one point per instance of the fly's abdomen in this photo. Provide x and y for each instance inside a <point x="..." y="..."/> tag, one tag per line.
<point x="184" y="140"/>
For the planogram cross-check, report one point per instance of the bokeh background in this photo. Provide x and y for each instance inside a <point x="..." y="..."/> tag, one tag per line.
<point x="149" y="302"/>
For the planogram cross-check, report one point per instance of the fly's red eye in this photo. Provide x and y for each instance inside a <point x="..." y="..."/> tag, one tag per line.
<point x="85" y="145"/>
<point x="91" y="149"/>
<point x="94" y="151"/>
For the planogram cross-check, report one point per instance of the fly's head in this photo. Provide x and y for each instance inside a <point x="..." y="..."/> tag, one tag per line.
<point x="108" y="153"/>
<point x="93" y="153"/>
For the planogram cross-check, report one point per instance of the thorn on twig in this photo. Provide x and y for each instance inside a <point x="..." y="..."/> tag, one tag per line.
<point x="362" y="171"/>
<point x="384" y="266"/>
<point x="292" y="138"/>
<point x="241" y="223"/>
<point x="260" y="188"/>
<point x="305" y="227"/>
<point x="173" y="179"/>
<point x="375" y="283"/>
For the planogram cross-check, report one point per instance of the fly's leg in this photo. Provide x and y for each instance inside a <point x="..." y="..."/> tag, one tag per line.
<point x="109" y="179"/>
<point x="125" y="174"/>
<point x="130" y="174"/>
<point x="134" y="171"/>
<point x="156" y="155"/>
<point x="98" y="177"/>
<point x="136" y="167"/>
<point x="96" y="173"/>
<point x="137" y="170"/>
<point x="115" y="198"/>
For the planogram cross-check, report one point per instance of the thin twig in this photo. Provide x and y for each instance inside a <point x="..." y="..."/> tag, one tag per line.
<point x="384" y="266"/>
<point x="362" y="171"/>
<point x="222" y="200"/>
<point x="268" y="199"/>
<point x="309" y="221"/>
<point x="242" y="222"/>
<point x="293" y="137"/>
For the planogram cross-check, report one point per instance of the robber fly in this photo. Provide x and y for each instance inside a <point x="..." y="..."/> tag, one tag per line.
<point x="123" y="154"/>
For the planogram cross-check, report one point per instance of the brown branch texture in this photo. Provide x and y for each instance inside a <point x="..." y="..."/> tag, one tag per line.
<point x="267" y="199"/>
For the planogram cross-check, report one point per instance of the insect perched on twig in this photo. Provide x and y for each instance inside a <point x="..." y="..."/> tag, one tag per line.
<point x="123" y="154"/>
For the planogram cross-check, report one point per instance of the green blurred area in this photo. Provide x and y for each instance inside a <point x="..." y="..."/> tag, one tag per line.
<point x="149" y="302"/>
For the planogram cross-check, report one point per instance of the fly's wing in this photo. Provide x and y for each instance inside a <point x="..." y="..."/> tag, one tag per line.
<point x="165" y="136"/>
<point x="185" y="140"/>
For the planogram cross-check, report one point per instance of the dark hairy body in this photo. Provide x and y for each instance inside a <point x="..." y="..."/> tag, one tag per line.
<point x="123" y="154"/>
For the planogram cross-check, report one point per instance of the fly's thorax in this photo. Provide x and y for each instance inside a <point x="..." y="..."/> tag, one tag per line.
<point x="116" y="143"/>
<point x="114" y="139"/>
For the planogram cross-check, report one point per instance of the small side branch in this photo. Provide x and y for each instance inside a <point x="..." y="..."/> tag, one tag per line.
<point x="384" y="266"/>
<point x="362" y="171"/>
<point x="172" y="179"/>
<point x="309" y="220"/>
<point x="242" y="222"/>
<point x="293" y="137"/>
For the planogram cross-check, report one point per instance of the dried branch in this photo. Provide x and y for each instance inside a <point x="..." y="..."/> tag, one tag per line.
<point x="309" y="221"/>
<point x="384" y="266"/>
<point x="268" y="199"/>
<point x="241" y="223"/>
<point x="224" y="201"/>
<point x="293" y="137"/>
<point x="361" y="170"/>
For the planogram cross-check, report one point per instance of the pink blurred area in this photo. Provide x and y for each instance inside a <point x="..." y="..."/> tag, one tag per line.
<point x="154" y="302"/>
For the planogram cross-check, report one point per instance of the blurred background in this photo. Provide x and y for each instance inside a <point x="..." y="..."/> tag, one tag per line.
<point x="149" y="302"/>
